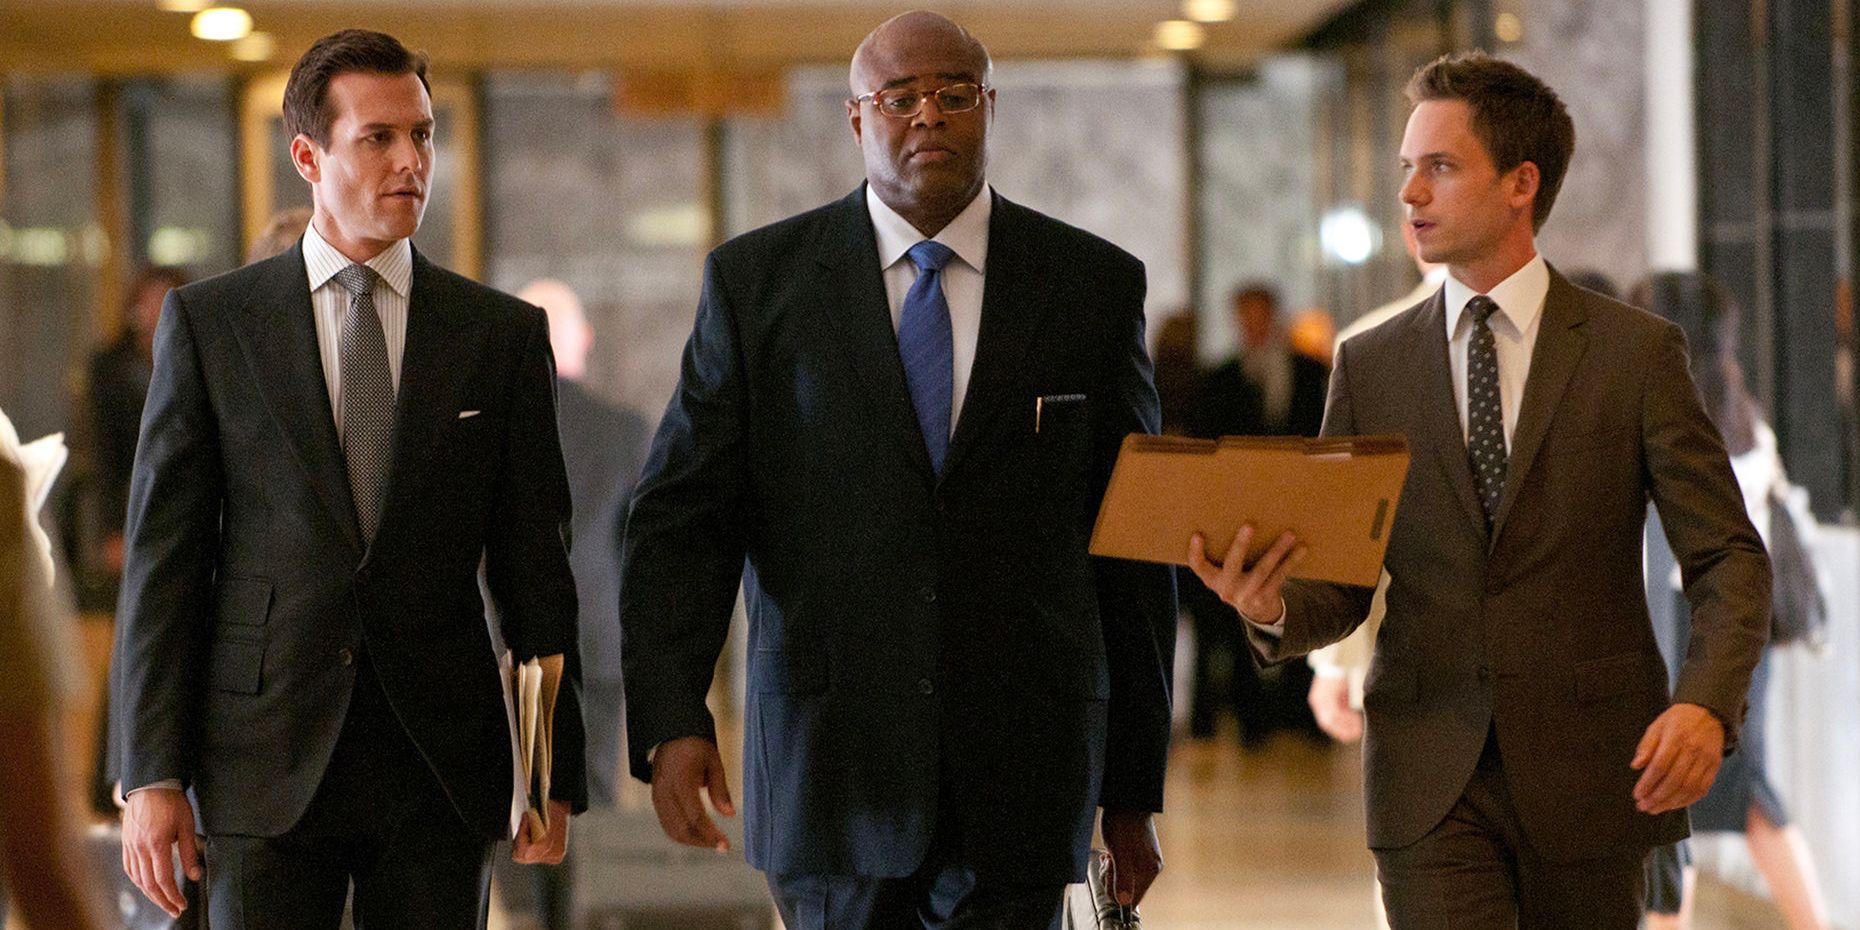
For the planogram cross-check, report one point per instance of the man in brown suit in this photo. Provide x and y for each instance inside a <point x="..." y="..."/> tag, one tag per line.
<point x="1522" y="751"/>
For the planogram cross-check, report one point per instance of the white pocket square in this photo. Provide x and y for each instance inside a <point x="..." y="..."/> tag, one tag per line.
<point x="468" y="414"/>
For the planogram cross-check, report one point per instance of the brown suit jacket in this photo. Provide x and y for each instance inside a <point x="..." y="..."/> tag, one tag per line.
<point x="1541" y="634"/>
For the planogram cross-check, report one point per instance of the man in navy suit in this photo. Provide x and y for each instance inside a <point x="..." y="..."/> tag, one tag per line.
<point x="337" y="441"/>
<point x="897" y="415"/>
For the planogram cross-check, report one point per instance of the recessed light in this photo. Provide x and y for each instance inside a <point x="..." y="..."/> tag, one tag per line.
<point x="1179" y="35"/>
<point x="1208" y="11"/>
<point x="222" y="24"/>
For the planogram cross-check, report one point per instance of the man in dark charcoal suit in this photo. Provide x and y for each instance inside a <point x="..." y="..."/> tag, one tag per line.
<point x="336" y="439"/>
<point x="1522" y="753"/>
<point x="896" y="418"/>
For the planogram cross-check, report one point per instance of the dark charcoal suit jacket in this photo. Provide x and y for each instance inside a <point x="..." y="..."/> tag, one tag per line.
<point x="921" y="648"/>
<point x="248" y="590"/>
<point x="1543" y="633"/>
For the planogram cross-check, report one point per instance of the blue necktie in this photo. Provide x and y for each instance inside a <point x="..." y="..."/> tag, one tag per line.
<point x="924" y="342"/>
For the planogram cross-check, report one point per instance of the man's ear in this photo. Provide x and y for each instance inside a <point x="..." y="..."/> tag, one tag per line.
<point x="307" y="158"/>
<point x="1524" y="184"/>
<point x="853" y="119"/>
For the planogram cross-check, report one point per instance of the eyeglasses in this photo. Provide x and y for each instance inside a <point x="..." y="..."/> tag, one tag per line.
<point x="906" y="102"/>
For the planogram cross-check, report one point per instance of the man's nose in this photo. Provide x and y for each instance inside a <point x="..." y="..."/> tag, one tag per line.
<point x="929" y="114"/>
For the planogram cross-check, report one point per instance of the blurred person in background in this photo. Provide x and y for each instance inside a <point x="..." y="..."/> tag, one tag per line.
<point x="42" y="855"/>
<point x="118" y="383"/>
<point x="1265" y="388"/>
<point x="281" y="232"/>
<point x="603" y="446"/>
<point x="1742" y="799"/>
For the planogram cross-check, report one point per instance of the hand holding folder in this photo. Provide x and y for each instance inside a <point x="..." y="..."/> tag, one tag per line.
<point x="535" y="683"/>
<point x="1337" y="495"/>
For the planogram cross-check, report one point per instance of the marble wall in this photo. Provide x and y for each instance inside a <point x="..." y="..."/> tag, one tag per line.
<point x="1592" y="53"/>
<point x="1256" y="195"/>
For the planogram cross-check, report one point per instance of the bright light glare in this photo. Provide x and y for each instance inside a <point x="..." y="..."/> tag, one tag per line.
<point x="1179" y="35"/>
<point x="1208" y="11"/>
<point x="1347" y="235"/>
<point x="222" y="24"/>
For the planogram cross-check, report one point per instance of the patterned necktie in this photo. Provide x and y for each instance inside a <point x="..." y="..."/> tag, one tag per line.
<point x="1485" y="414"/>
<point x="367" y="397"/>
<point x="924" y="342"/>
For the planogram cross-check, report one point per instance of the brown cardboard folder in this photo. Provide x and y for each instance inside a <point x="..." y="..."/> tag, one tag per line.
<point x="1338" y="494"/>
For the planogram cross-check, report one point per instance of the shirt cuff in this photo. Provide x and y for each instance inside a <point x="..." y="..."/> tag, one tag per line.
<point x="166" y="784"/>
<point x="1274" y="630"/>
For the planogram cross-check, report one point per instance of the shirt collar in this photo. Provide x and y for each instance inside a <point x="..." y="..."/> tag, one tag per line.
<point x="394" y="264"/>
<point x="1520" y="298"/>
<point x="966" y="235"/>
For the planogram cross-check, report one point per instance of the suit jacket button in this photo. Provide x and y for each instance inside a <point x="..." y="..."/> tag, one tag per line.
<point x="1485" y="673"/>
<point x="925" y="686"/>
<point x="928" y="593"/>
<point x="346" y="656"/>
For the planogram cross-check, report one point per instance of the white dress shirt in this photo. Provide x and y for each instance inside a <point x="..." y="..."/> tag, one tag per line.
<point x="1520" y="300"/>
<point x="967" y="236"/>
<point x="330" y="302"/>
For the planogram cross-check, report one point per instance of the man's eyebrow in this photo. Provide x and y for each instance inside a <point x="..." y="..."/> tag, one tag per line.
<point x="940" y="75"/>
<point x="419" y="124"/>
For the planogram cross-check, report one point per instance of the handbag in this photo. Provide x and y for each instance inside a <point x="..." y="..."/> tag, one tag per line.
<point x="1798" y="605"/>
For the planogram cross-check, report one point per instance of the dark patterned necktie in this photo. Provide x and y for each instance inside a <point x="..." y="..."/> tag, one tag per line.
<point x="927" y="347"/>
<point x="1485" y="414"/>
<point x="367" y="398"/>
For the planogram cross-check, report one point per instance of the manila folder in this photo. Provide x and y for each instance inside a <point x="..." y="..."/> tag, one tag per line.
<point x="1337" y="494"/>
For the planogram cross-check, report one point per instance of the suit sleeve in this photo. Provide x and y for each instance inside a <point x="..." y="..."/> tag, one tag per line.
<point x="526" y="555"/>
<point x="172" y="541"/>
<point x="1136" y="600"/>
<point x="682" y="558"/>
<point x="1721" y="558"/>
<point x="1318" y="613"/>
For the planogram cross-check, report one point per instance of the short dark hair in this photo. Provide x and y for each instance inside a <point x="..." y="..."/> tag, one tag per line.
<point x="1257" y="290"/>
<point x="306" y="95"/>
<point x="1516" y="116"/>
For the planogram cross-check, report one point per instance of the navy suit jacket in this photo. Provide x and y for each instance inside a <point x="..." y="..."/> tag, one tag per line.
<point x="926" y="653"/>
<point x="248" y="590"/>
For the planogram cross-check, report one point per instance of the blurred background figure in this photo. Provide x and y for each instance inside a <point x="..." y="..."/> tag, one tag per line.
<point x="602" y="447"/>
<point x="42" y="857"/>
<point x="117" y="385"/>
<point x="1267" y="388"/>
<point x="1178" y="369"/>
<point x="281" y="232"/>
<point x="1742" y="799"/>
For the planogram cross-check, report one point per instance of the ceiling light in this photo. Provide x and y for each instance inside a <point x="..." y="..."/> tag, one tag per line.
<point x="1208" y="11"/>
<point x="182" y="6"/>
<point x="1179" y="35"/>
<point x="258" y="46"/>
<point x="222" y="24"/>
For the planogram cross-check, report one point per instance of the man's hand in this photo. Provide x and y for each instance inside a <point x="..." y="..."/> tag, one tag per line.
<point x="679" y="769"/>
<point x="156" y="821"/>
<point x="1329" y="698"/>
<point x="1256" y="591"/>
<point x="548" y="850"/>
<point x="1136" y="857"/>
<point x="1677" y="759"/>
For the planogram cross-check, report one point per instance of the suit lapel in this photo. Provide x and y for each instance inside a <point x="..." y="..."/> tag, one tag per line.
<point x="441" y="351"/>
<point x="1013" y="306"/>
<point x="277" y="327"/>
<point x="1427" y="335"/>
<point x="1560" y="344"/>
<point x="859" y="317"/>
